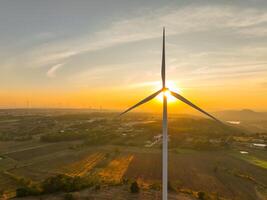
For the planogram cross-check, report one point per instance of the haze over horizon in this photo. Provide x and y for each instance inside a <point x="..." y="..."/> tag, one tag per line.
<point x="102" y="54"/>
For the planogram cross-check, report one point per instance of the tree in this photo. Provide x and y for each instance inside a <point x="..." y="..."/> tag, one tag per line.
<point x="68" y="196"/>
<point x="65" y="183"/>
<point x="2" y="192"/>
<point x="27" y="191"/>
<point x="171" y="187"/>
<point x="55" y="183"/>
<point x="134" y="187"/>
<point x="201" y="195"/>
<point x="22" y="192"/>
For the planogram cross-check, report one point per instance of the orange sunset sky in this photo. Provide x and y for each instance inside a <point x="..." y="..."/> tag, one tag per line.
<point x="108" y="55"/>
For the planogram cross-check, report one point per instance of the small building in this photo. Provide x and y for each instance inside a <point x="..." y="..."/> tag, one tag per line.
<point x="158" y="137"/>
<point x="258" y="145"/>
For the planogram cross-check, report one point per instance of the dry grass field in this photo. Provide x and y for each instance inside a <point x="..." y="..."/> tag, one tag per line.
<point x="115" y="170"/>
<point x="227" y="175"/>
<point x="81" y="167"/>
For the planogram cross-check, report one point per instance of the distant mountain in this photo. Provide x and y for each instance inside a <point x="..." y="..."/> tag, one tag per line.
<point x="241" y="115"/>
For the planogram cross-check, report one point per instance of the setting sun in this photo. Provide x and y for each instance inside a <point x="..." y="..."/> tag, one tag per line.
<point x="171" y="86"/>
<point x="168" y="95"/>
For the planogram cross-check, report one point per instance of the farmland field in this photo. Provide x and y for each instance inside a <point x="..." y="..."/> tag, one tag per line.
<point x="116" y="152"/>
<point x="115" y="170"/>
<point x="80" y="168"/>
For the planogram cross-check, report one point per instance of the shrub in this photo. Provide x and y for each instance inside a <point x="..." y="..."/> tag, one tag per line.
<point x="69" y="196"/>
<point x="22" y="192"/>
<point x="64" y="183"/>
<point x="2" y="192"/>
<point x="97" y="187"/>
<point x="134" y="188"/>
<point x="27" y="191"/>
<point x="58" y="183"/>
<point x="201" y="195"/>
<point x="55" y="184"/>
<point x="23" y="181"/>
<point x="125" y="181"/>
<point x="155" y="186"/>
<point x="171" y="186"/>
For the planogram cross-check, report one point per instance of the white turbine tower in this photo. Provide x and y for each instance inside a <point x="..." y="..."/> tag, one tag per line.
<point x="165" y="120"/>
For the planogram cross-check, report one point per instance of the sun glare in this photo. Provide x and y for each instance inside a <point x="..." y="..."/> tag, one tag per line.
<point x="173" y="87"/>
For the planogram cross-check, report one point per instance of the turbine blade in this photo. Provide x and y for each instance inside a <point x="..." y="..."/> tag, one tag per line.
<point x="181" y="98"/>
<point x="142" y="102"/>
<point x="163" y="60"/>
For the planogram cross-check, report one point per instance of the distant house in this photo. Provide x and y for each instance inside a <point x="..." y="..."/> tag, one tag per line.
<point x="158" y="137"/>
<point x="258" y="145"/>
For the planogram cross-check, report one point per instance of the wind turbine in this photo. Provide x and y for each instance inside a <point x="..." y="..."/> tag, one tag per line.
<point x="163" y="90"/>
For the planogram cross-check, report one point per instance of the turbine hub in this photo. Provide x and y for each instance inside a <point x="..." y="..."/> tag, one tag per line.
<point x="165" y="89"/>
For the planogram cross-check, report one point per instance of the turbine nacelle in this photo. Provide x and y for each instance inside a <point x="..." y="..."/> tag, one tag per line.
<point x="165" y="89"/>
<point x="165" y="92"/>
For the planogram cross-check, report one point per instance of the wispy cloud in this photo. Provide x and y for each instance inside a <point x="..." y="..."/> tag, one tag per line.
<point x="187" y="19"/>
<point x="244" y="22"/>
<point x="52" y="71"/>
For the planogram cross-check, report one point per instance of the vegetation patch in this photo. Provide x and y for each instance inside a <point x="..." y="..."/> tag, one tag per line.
<point x="80" y="168"/>
<point x="58" y="137"/>
<point x="116" y="168"/>
<point x="58" y="183"/>
<point x="253" y="160"/>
